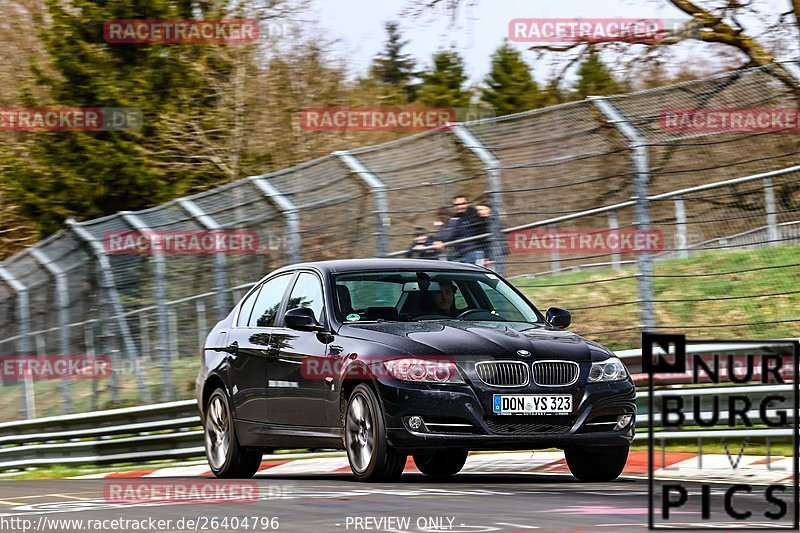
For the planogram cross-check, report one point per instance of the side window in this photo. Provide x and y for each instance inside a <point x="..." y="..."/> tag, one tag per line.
<point x="247" y="308"/>
<point x="307" y="292"/>
<point x="268" y="302"/>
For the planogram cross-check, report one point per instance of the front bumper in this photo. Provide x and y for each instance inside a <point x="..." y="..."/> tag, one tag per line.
<point x="461" y="418"/>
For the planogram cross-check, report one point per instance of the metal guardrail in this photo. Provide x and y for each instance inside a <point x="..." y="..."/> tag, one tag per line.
<point x="133" y="434"/>
<point x="172" y="430"/>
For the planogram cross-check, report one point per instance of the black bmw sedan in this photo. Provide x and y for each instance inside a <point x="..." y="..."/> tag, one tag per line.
<point x="389" y="358"/>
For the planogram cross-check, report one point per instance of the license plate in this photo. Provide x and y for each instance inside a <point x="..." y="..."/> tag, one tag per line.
<point x="531" y="404"/>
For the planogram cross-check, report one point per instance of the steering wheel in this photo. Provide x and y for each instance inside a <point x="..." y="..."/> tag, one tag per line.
<point x="470" y="312"/>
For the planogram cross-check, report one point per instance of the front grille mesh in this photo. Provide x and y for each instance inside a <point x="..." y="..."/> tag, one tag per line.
<point x="503" y="373"/>
<point x="554" y="373"/>
<point x="529" y="425"/>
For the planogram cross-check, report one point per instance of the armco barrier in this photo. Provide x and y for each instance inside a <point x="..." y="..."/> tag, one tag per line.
<point x="133" y="434"/>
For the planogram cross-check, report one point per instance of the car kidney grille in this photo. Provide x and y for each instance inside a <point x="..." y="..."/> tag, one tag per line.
<point x="555" y="373"/>
<point x="529" y="425"/>
<point x="503" y="373"/>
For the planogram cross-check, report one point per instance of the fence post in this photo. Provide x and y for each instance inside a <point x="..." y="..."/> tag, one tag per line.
<point x="62" y="299"/>
<point x="555" y="256"/>
<point x="23" y="316"/>
<point x="144" y="336"/>
<point x="159" y="275"/>
<point x="89" y="343"/>
<point x="680" y="228"/>
<point x="492" y="167"/>
<point x="379" y="198"/>
<point x="109" y="291"/>
<point x="220" y="263"/>
<point x="613" y="225"/>
<point x="174" y="341"/>
<point x="200" y="313"/>
<point x="641" y="178"/>
<point x="290" y="213"/>
<point x="773" y="232"/>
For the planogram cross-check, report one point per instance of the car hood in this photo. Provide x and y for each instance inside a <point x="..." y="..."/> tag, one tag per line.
<point x="469" y="340"/>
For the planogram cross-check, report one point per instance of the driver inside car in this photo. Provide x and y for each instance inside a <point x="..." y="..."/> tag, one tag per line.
<point x="441" y="302"/>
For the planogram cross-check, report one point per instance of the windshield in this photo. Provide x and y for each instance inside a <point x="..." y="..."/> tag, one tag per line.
<point x="429" y="295"/>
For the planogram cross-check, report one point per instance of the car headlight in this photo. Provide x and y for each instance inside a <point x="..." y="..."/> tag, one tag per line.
<point x="610" y="369"/>
<point x="413" y="369"/>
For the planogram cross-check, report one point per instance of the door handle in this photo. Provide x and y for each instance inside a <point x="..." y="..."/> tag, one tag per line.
<point x="233" y="348"/>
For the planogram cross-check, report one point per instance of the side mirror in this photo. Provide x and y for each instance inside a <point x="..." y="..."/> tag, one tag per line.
<point x="302" y="318"/>
<point x="558" y="317"/>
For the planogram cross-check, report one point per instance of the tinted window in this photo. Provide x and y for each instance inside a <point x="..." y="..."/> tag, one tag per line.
<point x="397" y="295"/>
<point x="307" y="292"/>
<point x="246" y="308"/>
<point x="268" y="301"/>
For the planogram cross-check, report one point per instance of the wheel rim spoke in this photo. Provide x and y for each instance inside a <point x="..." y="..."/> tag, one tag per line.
<point x="360" y="441"/>
<point x="217" y="440"/>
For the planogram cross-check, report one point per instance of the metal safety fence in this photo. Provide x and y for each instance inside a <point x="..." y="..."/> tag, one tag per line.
<point x="724" y="205"/>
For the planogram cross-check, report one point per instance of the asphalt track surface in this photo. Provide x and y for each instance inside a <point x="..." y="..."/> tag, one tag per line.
<point x="468" y="503"/>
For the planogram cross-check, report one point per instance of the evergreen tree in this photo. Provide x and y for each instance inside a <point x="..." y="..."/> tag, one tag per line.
<point x="594" y="78"/>
<point x="178" y="88"/>
<point x="443" y="86"/>
<point x="510" y="88"/>
<point x="393" y="67"/>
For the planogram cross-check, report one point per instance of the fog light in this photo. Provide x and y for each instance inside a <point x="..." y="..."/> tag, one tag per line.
<point x="623" y="421"/>
<point x="415" y="422"/>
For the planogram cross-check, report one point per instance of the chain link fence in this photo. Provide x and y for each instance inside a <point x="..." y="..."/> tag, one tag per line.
<point x="724" y="205"/>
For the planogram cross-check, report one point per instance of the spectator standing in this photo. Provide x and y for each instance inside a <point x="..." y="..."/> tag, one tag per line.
<point x="463" y="224"/>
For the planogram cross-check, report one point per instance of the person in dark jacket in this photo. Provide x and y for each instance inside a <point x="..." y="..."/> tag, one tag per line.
<point x="465" y="223"/>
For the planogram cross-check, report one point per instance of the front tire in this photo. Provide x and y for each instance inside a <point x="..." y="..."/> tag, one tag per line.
<point x="368" y="452"/>
<point x="441" y="463"/>
<point x="225" y="457"/>
<point x="600" y="464"/>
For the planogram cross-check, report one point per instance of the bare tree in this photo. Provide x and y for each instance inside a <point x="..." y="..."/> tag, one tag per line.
<point x="757" y="36"/>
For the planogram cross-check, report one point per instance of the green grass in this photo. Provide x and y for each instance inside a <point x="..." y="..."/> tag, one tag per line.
<point x="704" y="311"/>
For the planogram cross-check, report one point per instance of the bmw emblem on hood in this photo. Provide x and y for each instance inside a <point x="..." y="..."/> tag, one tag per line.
<point x="523" y="353"/>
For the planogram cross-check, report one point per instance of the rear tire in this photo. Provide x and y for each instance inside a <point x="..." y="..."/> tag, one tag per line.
<point x="441" y="463"/>
<point x="368" y="452"/>
<point x="596" y="464"/>
<point x="225" y="457"/>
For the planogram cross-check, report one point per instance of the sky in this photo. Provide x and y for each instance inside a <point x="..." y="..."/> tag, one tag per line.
<point x="478" y="32"/>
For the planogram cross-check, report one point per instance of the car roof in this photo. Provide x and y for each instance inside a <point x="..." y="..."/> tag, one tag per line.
<point x="354" y="265"/>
